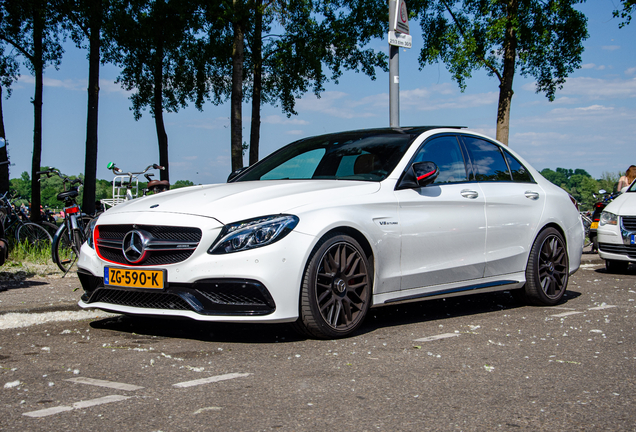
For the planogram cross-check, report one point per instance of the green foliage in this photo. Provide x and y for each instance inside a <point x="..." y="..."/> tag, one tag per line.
<point x="22" y="186"/>
<point x="626" y="12"/>
<point x="468" y="35"/>
<point x="181" y="183"/>
<point x="580" y="184"/>
<point x="157" y="49"/>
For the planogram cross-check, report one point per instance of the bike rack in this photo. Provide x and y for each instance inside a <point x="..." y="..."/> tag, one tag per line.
<point x="120" y="187"/>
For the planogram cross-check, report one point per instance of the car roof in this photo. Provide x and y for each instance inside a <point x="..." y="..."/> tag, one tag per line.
<point x="404" y="130"/>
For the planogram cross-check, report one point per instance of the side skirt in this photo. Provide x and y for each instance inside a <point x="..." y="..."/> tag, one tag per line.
<point x="500" y="285"/>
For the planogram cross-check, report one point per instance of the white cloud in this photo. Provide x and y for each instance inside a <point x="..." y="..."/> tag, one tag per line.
<point x="611" y="47"/>
<point x="597" y="88"/>
<point x="277" y="119"/>
<point x="630" y="71"/>
<point x="337" y="104"/>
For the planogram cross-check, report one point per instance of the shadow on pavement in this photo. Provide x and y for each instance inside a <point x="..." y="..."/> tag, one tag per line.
<point x="377" y="318"/>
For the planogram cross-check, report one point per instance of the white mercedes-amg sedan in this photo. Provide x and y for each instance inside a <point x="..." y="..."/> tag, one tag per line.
<point x="327" y="227"/>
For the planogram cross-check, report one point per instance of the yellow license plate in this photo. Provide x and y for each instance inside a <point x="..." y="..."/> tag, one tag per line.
<point x="594" y="225"/>
<point x="134" y="278"/>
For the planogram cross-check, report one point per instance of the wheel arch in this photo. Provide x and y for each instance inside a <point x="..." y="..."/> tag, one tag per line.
<point x="358" y="236"/>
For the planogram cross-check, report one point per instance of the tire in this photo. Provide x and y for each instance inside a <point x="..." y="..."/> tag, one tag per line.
<point x="336" y="289"/>
<point x="50" y="227"/>
<point x="547" y="272"/>
<point x="65" y="250"/>
<point x="613" y="266"/>
<point x="33" y="235"/>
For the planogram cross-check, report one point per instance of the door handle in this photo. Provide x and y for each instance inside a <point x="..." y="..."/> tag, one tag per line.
<point x="532" y="195"/>
<point x="467" y="193"/>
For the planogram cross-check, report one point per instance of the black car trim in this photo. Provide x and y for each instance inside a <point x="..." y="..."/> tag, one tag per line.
<point x="453" y="290"/>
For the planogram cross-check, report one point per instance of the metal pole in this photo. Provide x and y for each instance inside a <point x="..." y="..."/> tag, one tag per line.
<point x="394" y="74"/>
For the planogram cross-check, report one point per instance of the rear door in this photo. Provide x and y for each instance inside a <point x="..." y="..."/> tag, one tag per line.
<point x="514" y="205"/>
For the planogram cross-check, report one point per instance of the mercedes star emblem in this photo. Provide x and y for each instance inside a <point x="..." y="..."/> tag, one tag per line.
<point x="134" y="246"/>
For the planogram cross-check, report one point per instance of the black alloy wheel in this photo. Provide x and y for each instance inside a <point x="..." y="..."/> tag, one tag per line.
<point x="547" y="272"/>
<point x="336" y="290"/>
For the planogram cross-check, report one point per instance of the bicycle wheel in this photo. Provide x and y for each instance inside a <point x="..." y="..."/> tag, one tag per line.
<point x="50" y="227"/>
<point x="34" y="235"/>
<point x="66" y="247"/>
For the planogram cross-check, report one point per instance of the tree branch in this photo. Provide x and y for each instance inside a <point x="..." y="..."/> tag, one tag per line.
<point x="486" y="63"/>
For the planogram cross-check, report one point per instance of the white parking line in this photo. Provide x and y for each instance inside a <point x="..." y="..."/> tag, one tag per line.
<point x="437" y="337"/>
<point x="208" y="380"/>
<point x="103" y="383"/>
<point x="76" y="405"/>
<point x="564" y="314"/>
<point x="602" y="307"/>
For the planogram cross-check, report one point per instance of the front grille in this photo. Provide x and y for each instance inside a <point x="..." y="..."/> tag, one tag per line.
<point x="627" y="250"/>
<point x="629" y="223"/>
<point x="151" y="300"/>
<point x="165" y="244"/>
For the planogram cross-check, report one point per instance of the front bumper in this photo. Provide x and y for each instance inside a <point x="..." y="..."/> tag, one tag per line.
<point x="258" y="285"/>
<point x="616" y="243"/>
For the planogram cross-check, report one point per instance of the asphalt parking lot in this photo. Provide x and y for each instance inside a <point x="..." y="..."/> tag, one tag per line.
<point x="476" y="363"/>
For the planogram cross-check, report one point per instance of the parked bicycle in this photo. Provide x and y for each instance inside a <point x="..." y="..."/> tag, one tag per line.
<point x="72" y="233"/>
<point x="126" y="185"/>
<point x="17" y="226"/>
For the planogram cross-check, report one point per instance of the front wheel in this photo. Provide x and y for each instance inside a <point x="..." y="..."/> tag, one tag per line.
<point x="33" y="235"/>
<point x="548" y="269"/>
<point x="336" y="289"/>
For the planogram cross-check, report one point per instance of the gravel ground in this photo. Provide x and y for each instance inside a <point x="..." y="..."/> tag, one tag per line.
<point x="26" y="287"/>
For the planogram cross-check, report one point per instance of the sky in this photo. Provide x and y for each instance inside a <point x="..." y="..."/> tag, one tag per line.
<point x="589" y="125"/>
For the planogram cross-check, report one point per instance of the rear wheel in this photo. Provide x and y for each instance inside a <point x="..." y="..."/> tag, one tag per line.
<point x="613" y="266"/>
<point x="336" y="289"/>
<point x="65" y="248"/>
<point x="548" y="269"/>
<point x="34" y="236"/>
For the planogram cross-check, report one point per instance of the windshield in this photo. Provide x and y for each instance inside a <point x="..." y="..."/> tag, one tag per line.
<point x="369" y="156"/>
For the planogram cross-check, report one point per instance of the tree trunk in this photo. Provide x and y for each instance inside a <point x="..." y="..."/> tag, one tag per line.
<point x="90" y="163"/>
<point x="505" y="87"/>
<point x="255" y="130"/>
<point x="38" y="67"/>
<point x="4" y="168"/>
<point x="236" y="119"/>
<point x="162" y="136"/>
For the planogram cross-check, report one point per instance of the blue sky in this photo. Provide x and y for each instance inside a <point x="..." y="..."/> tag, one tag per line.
<point x="589" y="125"/>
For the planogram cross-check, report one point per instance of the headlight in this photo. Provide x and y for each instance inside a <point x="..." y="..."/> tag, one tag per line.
<point x="253" y="233"/>
<point x="608" y="218"/>
<point x="89" y="233"/>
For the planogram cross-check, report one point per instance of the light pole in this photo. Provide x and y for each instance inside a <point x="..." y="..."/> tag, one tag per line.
<point x="398" y="37"/>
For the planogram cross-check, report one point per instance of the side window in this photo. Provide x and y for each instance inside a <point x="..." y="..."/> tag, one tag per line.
<point x="488" y="161"/>
<point x="519" y="173"/>
<point x="447" y="155"/>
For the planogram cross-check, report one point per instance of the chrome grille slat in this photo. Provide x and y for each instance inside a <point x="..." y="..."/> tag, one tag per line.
<point x="629" y="223"/>
<point x="169" y="245"/>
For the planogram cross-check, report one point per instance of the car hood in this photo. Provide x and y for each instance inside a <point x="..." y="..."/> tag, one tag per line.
<point x="231" y="202"/>
<point x="624" y="205"/>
